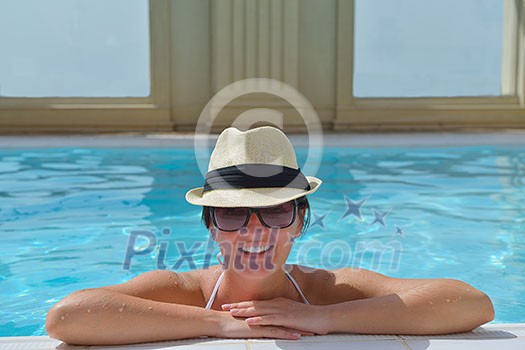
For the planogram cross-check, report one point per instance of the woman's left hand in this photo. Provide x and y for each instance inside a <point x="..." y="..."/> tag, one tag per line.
<point x="282" y="312"/>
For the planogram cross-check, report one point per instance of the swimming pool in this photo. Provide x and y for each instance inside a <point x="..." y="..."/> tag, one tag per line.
<point x="67" y="215"/>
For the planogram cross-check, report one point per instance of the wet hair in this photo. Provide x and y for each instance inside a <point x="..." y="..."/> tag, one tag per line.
<point x="302" y="203"/>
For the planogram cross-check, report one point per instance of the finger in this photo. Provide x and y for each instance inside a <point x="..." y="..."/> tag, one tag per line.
<point x="266" y="320"/>
<point x="254" y="321"/>
<point x="246" y="312"/>
<point x="242" y="304"/>
<point x="276" y="320"/>
<point x="254" y="308"/>
<point x="278" y="333"/>
<point x="306" y="333"/>
<point x="293" y="330"/>
<point x="301" y="332"/>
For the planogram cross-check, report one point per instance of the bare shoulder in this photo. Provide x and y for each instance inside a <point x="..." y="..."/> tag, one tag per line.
<point x="373" y="284"/>
<point x="323" y="287"/>
<point x="165" y="286"/>
<point x="346" y="284"/>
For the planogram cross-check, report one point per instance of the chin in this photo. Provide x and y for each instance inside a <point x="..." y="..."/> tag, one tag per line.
<point x="255" y="266"/>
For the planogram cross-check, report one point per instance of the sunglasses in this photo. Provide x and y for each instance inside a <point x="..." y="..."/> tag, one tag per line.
<point x="234" y="219"/>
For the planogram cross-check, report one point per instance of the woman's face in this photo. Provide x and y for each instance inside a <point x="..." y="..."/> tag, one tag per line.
<point x="256" y="250"/>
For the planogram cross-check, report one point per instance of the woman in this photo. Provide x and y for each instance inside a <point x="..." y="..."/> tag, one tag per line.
<point x="254" y="204"/>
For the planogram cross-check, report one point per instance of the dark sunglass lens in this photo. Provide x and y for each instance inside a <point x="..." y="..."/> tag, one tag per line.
<point x="279" y="215"/>
<point x="230" y="219"/>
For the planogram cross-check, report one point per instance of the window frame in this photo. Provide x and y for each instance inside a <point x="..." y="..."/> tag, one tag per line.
<point x="432" y="112"/>
<point x="103" y="113"/>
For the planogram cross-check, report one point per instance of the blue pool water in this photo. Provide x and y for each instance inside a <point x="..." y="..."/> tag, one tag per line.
<point x="66" y="216"/>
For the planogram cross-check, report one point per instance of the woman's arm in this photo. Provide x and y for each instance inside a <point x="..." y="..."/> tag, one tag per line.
<point x="154" y="306"/>
<point x="386" y="306"/>
<point x="105" y="317"/>
<point x="434" y="307"/>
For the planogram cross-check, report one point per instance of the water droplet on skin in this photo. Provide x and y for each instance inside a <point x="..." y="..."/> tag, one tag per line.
<point x="150" y="308"/>
<point x="88" y="310"/>
<point x="430" y="302"/>
<point x="448" y="300"/>
<point x="62" y="318"/>
<point x="120" y="310"/>
<point x="77" y="304"/>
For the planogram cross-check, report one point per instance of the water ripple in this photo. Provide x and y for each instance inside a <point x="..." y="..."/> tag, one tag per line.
<point x="66" y="217"/>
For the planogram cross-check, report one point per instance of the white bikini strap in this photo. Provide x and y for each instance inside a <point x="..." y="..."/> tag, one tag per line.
<point x="297" y="287"/>
<point x="214" y="293"/>
<point x="216" y="288"/>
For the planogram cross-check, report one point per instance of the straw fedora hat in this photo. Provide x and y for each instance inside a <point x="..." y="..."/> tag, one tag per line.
<point x="254" y="168"/>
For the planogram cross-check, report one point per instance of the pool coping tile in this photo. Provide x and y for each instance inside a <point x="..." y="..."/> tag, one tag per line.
<point x="330" y="139"/>
<point x="490" y="336"/>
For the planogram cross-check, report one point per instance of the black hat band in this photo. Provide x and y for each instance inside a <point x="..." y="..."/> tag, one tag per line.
<point x="268" y="175"/>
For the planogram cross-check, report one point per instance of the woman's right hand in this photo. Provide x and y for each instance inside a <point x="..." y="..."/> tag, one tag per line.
<point x="235" y="327"/>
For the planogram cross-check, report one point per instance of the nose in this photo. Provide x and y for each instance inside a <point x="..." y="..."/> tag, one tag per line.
<point x="255" y="231"/>
<point x="254" y="222"/>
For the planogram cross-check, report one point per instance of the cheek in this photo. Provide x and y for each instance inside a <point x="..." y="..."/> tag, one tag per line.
<point x="295" y="229"/>
<point x="221" y="237"/>
<point x="285" y="238"/>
